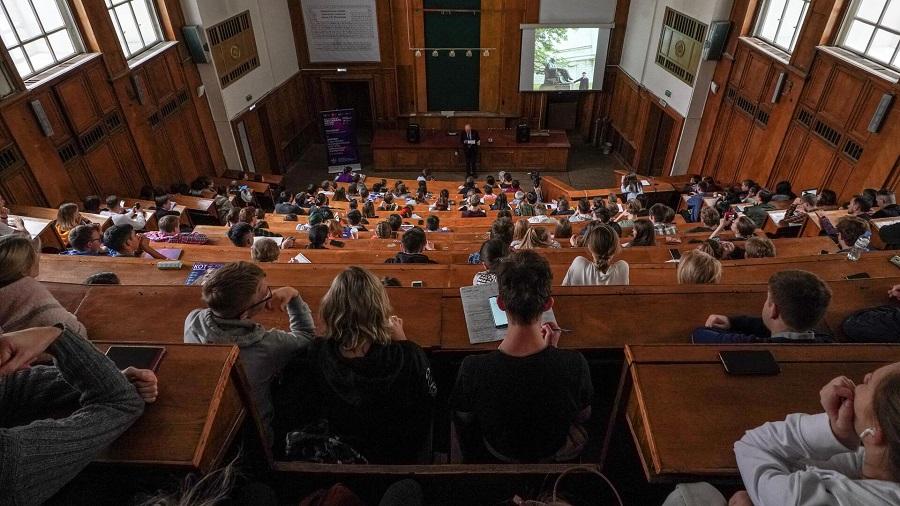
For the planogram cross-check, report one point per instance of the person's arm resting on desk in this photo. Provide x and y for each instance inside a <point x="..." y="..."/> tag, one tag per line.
<point x="38" y="459"/>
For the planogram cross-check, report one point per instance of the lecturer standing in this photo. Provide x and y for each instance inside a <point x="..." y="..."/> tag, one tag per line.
<point x="470" y="142"/>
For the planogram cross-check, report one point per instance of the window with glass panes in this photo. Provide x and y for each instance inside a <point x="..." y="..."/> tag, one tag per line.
<point x="136" y="23"/>
<point x="779" y="22"/>
<point x="872" y="30"/>
<point x="38" y="34"/>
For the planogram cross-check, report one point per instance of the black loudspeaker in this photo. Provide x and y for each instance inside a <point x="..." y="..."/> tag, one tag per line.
<point x="523" y="133"/>
<point x="715" y="41"/>
<point x="880" y="112"/>
<point x="193" y="39"/>
<point x="413" y="133"/>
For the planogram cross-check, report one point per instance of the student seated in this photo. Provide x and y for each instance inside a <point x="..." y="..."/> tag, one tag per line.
<point x="860" y="206"/>
<point x="759" y="247"/>
<point x="759" y="212"/>
<point x="783" y="192"/>
<point x="41" y="454"/>
<point x="413" y="242"/>
<point x="164" y="207"/>
<point x="16" y="227"/>
<point x="631" y="186"/>
<point x="355" y="223"/>
<point x="583" y="212"/>
<point x="250" y="216"/>
<point x="234" y="294"/>
<point x="318" y="236"/>
<point x="662" y="217"/>
<point x="103" y="278"/>
<point x="433" y="224"/>
<point x="84" y="240"/>
<point x="742" y="227"/>
<point x="287" y="203"/>
<point x="562" y="208"/>
<point x="603" y="244"/>
<point x="644" y="234"/>
<point x="373" y="386"/>
<point x="169" y="231"/>
<point x="473" y="209"/>
<point x="121" y="216"/>
<point x="528" y="400"/>
<point x="563" y="230"/>
<point x="698" y="268"/>
<point x="628" y="216"/>
<point x="24" y="301"/>
<point x="122" y="241"/>
<point x="526" y="204"/>
<point x="887" y="204"/>
<point x="541" y="215"/>
<point x="796" y="303"/>
<point x="537" y="237"/>
<point x="67" y="218"/>
<point x="849" y="229"/>
<point x="387" y="203"/>
<point x="709" y="217"/>
<point x="265" y="250"/>
<point x="241" y="235"/>
<point x="91" y="204"/>
<point x="854" y="446"/>
<point x="491" y="254"/>
<point x="799" y="209"/>
<point x="395" y="221"/>
<point x="383" y="231"/>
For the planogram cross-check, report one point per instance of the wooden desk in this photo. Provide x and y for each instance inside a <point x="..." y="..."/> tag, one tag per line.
<point x="197" y="203"/>
<point x="41" y="228"/>
<point x="685" y="413"/>
<point x="256" y="187"/>
<point x="196" y="416"/>
<point x="438" y="151"/>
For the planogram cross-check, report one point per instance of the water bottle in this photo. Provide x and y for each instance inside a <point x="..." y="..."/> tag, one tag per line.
<point x="859" y="246"/>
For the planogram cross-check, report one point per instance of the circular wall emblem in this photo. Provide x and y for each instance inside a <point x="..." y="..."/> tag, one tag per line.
<point x="236" y="52"/>
<point x="679" y="48"/>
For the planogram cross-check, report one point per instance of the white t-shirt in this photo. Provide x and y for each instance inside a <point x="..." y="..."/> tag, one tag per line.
<point x="584" y="272"/>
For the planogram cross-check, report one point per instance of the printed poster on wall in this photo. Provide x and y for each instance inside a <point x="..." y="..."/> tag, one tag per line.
<point x="339" y="131"/>
<point x="341" y="30"/>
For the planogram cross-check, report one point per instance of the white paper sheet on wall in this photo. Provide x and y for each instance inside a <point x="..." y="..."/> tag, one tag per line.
<point x="341" y="30"/>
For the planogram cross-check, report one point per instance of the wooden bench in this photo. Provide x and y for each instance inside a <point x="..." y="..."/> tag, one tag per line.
<point x="685" y="413"/>
<point x="599" y="317"/>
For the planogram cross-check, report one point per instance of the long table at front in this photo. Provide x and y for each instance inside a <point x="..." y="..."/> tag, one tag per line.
<point x="686" y="413"/>
<point x="439" y="151"/>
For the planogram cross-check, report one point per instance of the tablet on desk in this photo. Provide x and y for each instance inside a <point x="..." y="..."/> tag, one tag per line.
<point x="500" y="320"/>
<point x="140" y="357"/>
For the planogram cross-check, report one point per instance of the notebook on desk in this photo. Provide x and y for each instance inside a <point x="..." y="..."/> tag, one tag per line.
<point x="480" y="322"/>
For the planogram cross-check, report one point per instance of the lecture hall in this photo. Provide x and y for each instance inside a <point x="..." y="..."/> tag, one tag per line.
<point x="449" y="252"/>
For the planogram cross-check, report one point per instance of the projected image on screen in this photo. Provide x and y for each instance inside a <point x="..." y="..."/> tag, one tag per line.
<point x="564" y="58"/>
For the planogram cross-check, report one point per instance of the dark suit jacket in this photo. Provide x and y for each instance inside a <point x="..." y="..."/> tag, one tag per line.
<point x="469" y="148"/>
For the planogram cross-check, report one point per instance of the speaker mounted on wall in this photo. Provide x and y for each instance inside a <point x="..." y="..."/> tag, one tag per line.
<point x="193" y="39"/>
<point x="880" y="112"/>
<point x="714" y="45"/>
<point x="38" y="108"/>
<point x="413" y="133"/>
<point x="779" y="87"/>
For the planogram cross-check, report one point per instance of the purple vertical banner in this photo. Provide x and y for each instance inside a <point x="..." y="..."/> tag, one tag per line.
<point x="339" y="131"/>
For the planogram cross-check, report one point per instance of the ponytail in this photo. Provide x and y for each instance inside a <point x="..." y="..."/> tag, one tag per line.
<point x="603" y="243"/>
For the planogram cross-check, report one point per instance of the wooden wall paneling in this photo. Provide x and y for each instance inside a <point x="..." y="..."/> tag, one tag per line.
<point x="818" y="78"/>
<point x="743" y="15"/>
<point x="789" y="155"/>
<point x="18" y="186"/>
<point x="101" y="89"/>
<point x="838" y="177"/>
<point x="128" y="160"/>
<point x="734" y="145"/>
<point x="75" y="98"/>
<point x="490" y="78"/>
<point x="865" y="108"/>
<point x="516" y="12"/>
<point x="710" y="133"/>
<point x="617" y="37"/>
<point x="814" y="163"/>
<point x="105" y="170"/>
<point x="79" y="173"/>
<point x="840" y="97"/>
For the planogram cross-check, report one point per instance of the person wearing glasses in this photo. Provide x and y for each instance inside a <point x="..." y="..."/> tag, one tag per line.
<point x="234" y="294"/>
<point x="84" y="240"/>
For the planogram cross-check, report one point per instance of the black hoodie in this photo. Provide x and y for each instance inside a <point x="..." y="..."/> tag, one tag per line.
<point x="409" y="258"/>
<point x="380" y="404"/>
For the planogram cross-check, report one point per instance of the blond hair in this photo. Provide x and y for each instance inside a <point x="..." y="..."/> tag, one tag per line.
<point x="603" y="243"/>
<point x="535" y="237"/>
<point x="520" y="229"/>
<point x="698" y="268"/>
<point x="264" y="250"/>
<point x="18" y="256"/>
<point x="67" y="217"/>
<point x="356" y="310"/>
